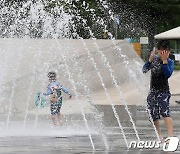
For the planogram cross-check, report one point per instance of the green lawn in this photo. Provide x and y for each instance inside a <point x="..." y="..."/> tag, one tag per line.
<point x="176" y="67"/>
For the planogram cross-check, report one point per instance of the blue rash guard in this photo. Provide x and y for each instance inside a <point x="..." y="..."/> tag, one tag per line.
<point x="53" y="86"/>
<point x="159" y="95"/>
<point x="159" y="73"/>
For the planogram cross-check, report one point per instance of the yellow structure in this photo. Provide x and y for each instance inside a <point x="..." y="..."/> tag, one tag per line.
<point x="137" y="48"/>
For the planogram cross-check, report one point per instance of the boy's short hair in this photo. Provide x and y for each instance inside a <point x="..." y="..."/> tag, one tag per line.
<point x="163" y="44"/>
<point x="52" y="75"/>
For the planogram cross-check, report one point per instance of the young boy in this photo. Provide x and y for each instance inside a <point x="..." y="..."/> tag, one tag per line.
<point x="158" y="99"/>
<point x="54" y="89"/>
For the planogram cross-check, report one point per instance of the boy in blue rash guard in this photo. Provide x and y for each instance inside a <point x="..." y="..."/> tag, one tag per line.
<point x="54" y="89"/>
<point x="158" y="99"/>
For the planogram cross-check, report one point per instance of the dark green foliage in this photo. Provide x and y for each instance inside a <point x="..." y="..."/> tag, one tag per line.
<point x="177" y="67"/>
<point x="137" y="17"/>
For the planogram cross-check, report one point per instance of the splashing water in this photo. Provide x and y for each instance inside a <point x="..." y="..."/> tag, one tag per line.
<point x="36" y="40"/>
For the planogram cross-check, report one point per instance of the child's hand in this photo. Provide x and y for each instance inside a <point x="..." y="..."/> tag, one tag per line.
<point x="164" y="56"/>
<point x="151" y="56"/>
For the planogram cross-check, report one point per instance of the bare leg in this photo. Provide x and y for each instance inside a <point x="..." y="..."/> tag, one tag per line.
<point x="157" y="125"/>
<point x="60" y="118"/>
<point x="169" y="125"/>
<point x="54" y="119"/>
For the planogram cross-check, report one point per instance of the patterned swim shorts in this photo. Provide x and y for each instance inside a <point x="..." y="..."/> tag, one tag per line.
<point x="55" y="106"/>
<point x="158" y="104"/>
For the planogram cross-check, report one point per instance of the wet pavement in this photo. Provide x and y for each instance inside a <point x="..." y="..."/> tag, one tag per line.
<point x="74" y="138"/>
<point x="64" y="145"/>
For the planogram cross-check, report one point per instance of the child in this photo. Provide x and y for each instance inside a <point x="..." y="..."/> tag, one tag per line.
<point x="54" y="89"/>
<point x="158" y="99"/>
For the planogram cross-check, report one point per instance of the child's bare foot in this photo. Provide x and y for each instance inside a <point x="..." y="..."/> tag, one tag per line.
<point x="160" y="139"/>
<point x="60" y="123"/>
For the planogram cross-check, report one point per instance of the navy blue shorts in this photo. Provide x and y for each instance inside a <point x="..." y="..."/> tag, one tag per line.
<point x="158" y="104"/>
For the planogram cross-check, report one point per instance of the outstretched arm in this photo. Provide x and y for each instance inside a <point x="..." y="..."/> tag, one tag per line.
<point x="48" y="92"/>
<point x="65" y="90"/>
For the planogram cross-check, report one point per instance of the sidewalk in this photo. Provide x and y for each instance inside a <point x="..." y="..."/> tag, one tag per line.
<point x="174" y="83"/>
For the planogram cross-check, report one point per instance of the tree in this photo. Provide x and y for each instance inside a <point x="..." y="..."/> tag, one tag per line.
<point x="88" y="18"/>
